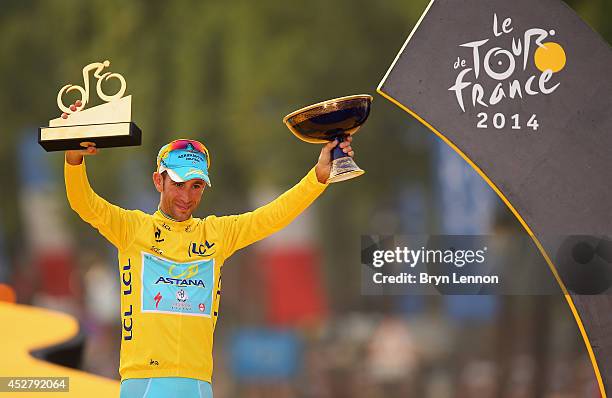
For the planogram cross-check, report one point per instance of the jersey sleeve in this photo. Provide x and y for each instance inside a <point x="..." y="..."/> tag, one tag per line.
<point x="117" y="225"/>
<point x="238" y="231"/>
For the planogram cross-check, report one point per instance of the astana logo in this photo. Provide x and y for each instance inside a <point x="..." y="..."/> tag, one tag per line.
<point x="501" y="65"/>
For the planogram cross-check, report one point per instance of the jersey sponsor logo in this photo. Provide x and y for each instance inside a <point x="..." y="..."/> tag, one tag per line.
<point x="181" y="295"/>
<point x="126" y="279"/>
<point x="180" y="282"/>
<point x="181" y="301"/>
<point x="186" y="274"/>
<point x="190" y="227"/>
<point x="173" y="287"/>
<point x="157" y="233"/>
<point x="157" y="299"/>
<point x="157" y="250"/>
<point x="128" y="323"/>
<point x="201" y="249"/>
<point x="181" y="307"/>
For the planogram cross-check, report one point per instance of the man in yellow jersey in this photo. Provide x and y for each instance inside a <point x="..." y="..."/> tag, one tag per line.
<point x="170" y="263"/>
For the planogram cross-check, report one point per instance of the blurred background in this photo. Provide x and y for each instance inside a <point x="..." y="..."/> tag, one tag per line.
<point x="293" y="321"/>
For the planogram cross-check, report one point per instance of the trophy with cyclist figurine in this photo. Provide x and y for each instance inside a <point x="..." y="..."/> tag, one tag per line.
<point x="106" y="125"/>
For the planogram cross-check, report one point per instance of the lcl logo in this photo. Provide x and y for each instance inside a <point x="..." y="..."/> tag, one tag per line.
<point x="202" y="250"/>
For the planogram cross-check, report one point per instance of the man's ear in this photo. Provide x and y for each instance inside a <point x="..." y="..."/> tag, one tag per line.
<point x="158" y="180"/>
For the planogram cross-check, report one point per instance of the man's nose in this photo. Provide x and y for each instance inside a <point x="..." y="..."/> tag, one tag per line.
<point x="184" y="195"/>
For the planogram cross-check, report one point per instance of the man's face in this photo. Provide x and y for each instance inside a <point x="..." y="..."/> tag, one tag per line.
<point x="178" y="199"/>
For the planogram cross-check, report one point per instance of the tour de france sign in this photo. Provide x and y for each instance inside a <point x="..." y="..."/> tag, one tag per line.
<point x="522" y="91"/>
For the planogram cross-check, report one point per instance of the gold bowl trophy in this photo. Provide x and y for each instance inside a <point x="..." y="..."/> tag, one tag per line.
<point x="103" y="126"/>
<point x="333" y="119"/>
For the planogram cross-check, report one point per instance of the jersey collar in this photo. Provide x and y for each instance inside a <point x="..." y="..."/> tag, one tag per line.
<point x="165" y="216"/>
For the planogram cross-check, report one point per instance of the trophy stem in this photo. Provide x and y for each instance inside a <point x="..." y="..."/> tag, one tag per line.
<point x="343" y="166"/>
<point x="337" y="151"/>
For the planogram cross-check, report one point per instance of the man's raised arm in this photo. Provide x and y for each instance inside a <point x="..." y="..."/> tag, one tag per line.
<point x="241" y="230"/>
<point x="117" y="225"/>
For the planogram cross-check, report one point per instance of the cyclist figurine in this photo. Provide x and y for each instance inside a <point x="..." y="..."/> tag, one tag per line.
<point x="170" y="263"/>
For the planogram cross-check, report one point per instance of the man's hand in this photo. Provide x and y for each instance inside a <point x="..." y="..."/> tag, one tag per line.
<point x="76" y="157"/>
<point x="323" y="167"/>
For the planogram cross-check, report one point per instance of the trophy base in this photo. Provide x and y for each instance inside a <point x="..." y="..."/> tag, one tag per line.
<point x="344" y="168"/>
<point x="63" y="138"/>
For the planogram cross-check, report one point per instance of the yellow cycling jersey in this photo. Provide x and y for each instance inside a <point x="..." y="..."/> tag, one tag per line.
<point x="170" y="273"/>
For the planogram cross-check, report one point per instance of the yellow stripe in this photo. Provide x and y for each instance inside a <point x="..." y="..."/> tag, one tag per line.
<point x="552" y="267"/>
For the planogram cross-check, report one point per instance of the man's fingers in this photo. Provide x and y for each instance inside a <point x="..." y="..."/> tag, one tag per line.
<point x="345" y="144"/>
<point x="89" y="151"/>
<point x="347" y="141"/>
<point x="330" y="145"/>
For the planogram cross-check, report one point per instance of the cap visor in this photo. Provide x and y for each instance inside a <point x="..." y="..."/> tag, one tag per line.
<point x="182" y="174"/>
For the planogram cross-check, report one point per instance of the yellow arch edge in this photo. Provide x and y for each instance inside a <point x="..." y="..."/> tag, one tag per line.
<point x="552" y="267"/>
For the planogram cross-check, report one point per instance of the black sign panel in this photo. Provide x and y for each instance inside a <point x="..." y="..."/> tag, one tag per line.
<point x="523" y="91"/>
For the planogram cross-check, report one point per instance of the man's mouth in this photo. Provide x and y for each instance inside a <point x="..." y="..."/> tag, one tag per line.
<point x="182" y="207"/>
